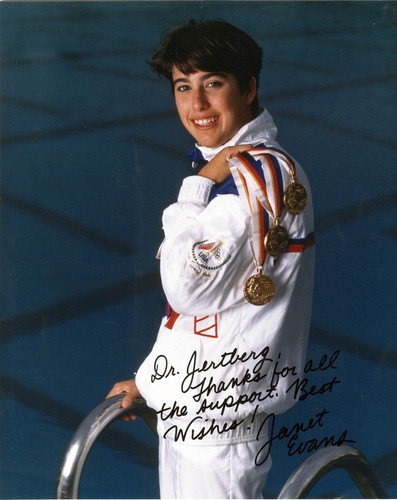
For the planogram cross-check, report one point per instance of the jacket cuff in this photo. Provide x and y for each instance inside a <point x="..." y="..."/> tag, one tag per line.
<point x="195" y="189"/>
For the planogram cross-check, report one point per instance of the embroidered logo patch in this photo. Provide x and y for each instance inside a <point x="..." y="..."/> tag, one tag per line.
<point x="207" y="256"/>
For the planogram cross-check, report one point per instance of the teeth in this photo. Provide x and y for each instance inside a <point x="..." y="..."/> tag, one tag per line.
<point x="205" y="122"/>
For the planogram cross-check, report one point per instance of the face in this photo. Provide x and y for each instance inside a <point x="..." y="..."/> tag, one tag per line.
<point x="211" y="105"/>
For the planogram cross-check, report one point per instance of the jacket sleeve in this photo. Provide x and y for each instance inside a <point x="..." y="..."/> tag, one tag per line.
<point x="205" y="255"/>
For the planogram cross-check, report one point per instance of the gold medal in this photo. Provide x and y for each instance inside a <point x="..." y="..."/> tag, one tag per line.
<point x="276" y="240"/>
<point x="295" y="197"/>
<point x="259" y="290"/>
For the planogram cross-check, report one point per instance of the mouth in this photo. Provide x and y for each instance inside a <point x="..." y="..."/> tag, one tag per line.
<point x="205" y="122"/>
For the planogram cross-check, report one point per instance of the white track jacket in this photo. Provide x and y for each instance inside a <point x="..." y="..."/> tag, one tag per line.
<point x="219" y="363"/>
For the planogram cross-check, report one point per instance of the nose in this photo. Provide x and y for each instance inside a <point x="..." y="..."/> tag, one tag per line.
<point x="199" y="100"/>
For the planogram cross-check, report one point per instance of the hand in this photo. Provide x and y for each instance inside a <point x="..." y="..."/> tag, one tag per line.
<point x="218" y="168"/>
<point x="129" y="388"/>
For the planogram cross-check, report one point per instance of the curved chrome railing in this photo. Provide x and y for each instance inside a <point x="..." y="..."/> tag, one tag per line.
<point x="299" y="484"/>
<point x="307" y="475"/>
<point x="87" y="433"/>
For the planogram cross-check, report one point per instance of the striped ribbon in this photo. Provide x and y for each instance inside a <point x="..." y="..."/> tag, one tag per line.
<point x="260" y="185"/>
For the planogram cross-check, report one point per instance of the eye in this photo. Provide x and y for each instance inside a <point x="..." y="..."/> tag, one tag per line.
<point x="214" y="84"/>
<point x="182" y="88"/>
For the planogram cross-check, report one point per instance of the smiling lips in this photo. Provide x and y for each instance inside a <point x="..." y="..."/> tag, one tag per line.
<point x="205" y="122"/>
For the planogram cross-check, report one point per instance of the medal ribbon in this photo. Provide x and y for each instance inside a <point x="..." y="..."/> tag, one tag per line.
<point x="278" y="154"/>
<point x="260" y="186"/>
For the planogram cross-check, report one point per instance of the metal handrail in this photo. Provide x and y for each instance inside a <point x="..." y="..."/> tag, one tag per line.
<point x="325" y="460"/>
<point x="87" y="433"/>
<point x="299" y="484"/>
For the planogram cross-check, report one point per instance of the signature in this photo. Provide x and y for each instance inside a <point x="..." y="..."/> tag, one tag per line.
<point x="293" y="434"/>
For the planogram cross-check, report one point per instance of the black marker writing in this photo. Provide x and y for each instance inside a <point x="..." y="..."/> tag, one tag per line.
<point x="282" y="372"/>
<point x="300" y="389"/>
<point x="246" y="379"/>
<point x="191" y="433"/>
<point x="294" y="433"/>
<point x="162" y="369"/>
<point x="175" y="410"/>
<point x="235" y="402"/>
<point x="225" y="359"/>
<point x="322" y="364"/>
<point x="315" y="444"/>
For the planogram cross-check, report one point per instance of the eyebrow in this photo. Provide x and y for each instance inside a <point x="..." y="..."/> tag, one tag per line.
<point x="205" y="77"/>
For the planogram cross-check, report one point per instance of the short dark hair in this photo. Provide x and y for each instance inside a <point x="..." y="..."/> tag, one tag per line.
<point x="209" y="46"/>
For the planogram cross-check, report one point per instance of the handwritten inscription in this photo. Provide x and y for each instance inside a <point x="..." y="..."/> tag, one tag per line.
<point x="162" y="369"/>
<point x="260" y="377"/>
<point x="190" y="432"/>
<point x="293" y="433"/>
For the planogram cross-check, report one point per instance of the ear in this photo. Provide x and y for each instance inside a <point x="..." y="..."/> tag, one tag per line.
<point x="251" y="92"/>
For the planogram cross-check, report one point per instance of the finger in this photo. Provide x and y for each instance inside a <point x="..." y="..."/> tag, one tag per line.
<point x="235" y="150"/>
<point x="128" y="418"/>
<point x="241" y="147"/>
<point x="115" y="391"/>
<point x="127" y="401"/>
<point x="120" y="388"/>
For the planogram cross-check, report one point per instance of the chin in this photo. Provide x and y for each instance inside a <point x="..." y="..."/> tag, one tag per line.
<point x="209" y="143"/>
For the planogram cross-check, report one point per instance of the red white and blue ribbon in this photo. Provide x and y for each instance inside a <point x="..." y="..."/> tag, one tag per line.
<point x="258" y="177"/>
